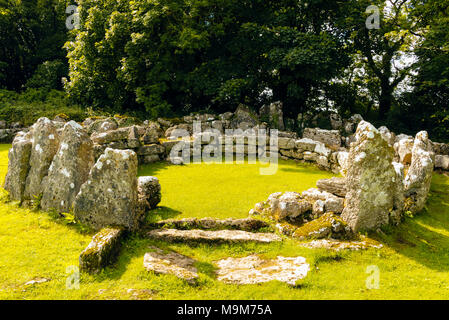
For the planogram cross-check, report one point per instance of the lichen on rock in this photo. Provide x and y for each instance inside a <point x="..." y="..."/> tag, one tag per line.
<point x="101" y="251"/>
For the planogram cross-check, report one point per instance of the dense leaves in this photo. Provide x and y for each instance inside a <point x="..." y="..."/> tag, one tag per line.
<point x="173" y="57"/>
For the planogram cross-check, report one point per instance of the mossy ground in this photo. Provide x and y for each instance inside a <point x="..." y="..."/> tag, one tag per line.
<point x="414" y="263"/>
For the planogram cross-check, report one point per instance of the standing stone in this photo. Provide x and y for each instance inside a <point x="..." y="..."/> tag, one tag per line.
<point x="109" y="197"/>
<point x="336" y="121"/>
<point x="403" y="149"/>
<point x="399" y="199"/>
<point x="149" y="190"/>
<point x="18" y="166"/>
<point x="45" y="145"/>
<point x="273" y="115"/>
<point x="419" y="176"/>
<point x="370" y="180"/>
<point x="69" y="169"/>
<point x="244" y="118"/>
<point x="389" y="136"/>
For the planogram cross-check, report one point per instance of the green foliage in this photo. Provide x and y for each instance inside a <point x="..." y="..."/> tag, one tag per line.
<point x="175" y="56"/>
<point x="48" y="75"/>
<point x="32" y="32"/>
<point x="33" y="104"/>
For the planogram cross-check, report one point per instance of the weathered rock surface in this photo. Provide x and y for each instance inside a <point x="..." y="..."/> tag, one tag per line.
<point x="419" y="176"/>
<point x="281" y="206"/>
<point x="332" y="203"/>
<point x="247" y="224"/>
<point x="109" y="197"/>
<point x="244" y="118"/>
<point x="441" y="148"/>
<point x="100" y="125"/>
<point x="336" y="186"/>
<point x="342" y="161"/>
<point x="111" y="136"/>
<point x="174" y="235"/>
<point x="273" y="115"/>
<point x="149" y="190"/>
<point x="337" y="245"/>
<point x="173" y="263"/>
<point x="152" y="133"/>
<point x="442" y="162"/>
<point x="7" y="135"/>
<point x="102" y="251"/>
<point x="331" y="138"/>
<point x="18" y="166"/>
<point x="370" y="180"/>
<point x="305" y="145"/>
<point x="253" y="269"/>
<point x="328" y="225"/>
<point x="45" y="140"/>
<point x="388" y="136"/>
<point x="336" y="121"/>
<point x="69" y="169"/>
<point x="403" y="149"/>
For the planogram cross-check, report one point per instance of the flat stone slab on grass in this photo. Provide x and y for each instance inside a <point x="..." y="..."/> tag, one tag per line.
<point x="253" y="269"/>
<point x="102" y="251"/>
<point x="174" y="235"/>
<point x="336" y="245"/>
<point x="247" y="224"/>
<point x="170" y="263"/>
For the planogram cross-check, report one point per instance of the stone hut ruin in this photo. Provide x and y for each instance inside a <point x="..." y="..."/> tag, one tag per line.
<point x="90" y="169"/>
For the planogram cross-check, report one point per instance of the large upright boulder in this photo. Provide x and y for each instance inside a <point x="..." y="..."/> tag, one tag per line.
<point x="18" y="165"/>
<point x="273" y="115"/>
<point x="45" y="144"/>
<point x="419" y="176"/>
<point x="370" y="180"/>
<point x="69" y="169"/>
<point x="109" y="196"/>
<point x="244" y="118"/>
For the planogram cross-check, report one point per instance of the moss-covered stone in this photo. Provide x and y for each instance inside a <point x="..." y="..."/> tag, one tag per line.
<point x="102" y="251"/>
<point x="328" y="225"/>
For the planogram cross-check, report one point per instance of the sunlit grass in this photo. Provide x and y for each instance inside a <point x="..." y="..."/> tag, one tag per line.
<point x="225" y="190"/>
<point x="414" y="263"/>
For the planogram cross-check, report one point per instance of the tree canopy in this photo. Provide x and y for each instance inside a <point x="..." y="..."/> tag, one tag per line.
<point x="173" y="57"/>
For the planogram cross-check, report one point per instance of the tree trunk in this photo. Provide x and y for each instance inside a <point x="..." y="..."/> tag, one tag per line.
<point x="385" y="100"/>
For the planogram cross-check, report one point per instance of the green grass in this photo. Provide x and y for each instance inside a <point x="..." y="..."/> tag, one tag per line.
<point x="224" y="190"/>
<point x="414" y="263"/>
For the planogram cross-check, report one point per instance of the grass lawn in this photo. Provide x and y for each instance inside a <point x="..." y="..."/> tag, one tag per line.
<point x="414" y="263"/>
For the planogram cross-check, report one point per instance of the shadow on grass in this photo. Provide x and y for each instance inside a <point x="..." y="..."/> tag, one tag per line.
<point x="153" y="169"/>
<point x="137" y="245"/>
<point x="160" y="213"/>
<point x="425" y="237"/>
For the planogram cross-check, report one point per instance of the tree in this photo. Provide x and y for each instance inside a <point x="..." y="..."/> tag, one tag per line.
<point x="385" y="55"/>
<point x="31" y="32"/>
<point x="177" y="56"/>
